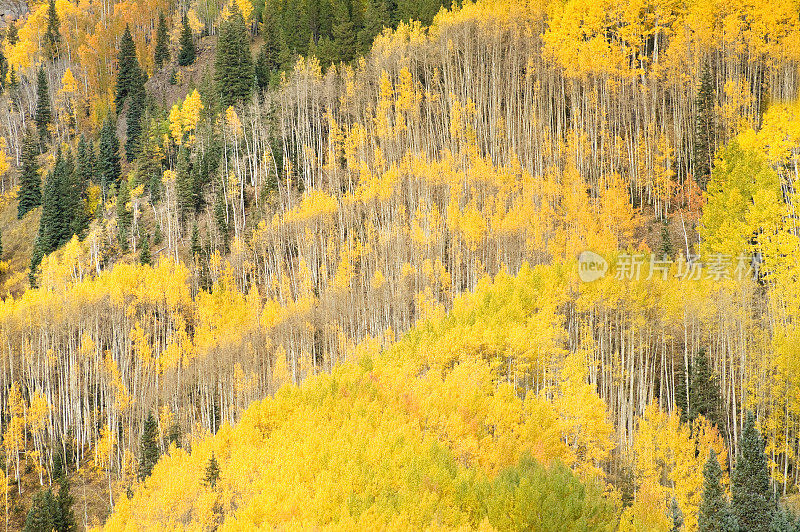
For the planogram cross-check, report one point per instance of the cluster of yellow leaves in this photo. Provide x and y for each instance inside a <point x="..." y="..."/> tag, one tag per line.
<point x="183" y="119"/>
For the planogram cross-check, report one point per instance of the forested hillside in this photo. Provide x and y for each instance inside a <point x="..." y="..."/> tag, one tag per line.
<point x="276" y="233"/>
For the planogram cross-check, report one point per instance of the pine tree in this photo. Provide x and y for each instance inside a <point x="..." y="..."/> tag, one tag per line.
<point x="705" y="135"/>
<point x="64" y="519"/>
<point x="781" y="521"/>
<point x="675" y="516"/>
<point x="161" y="54"/>
<point x="212" y="471"/>
<point x="713" y="502"/>
<point x="30" y="182"/>
<point x="52" y="37"/>
<point x="43" y="113"/>
<point x="221" y="218"/>
<point x="1" y="245"/>
<point x="12" y="36"/>
<point x="376" y="17"/>
<point x="84" y="170"/>
<point x="144" y="254"/>
<point x="133" y="142"/>
<point x="40" y="516"/>
<point x="124" y="215"/>
<point x="666" y="249"/>
<point x="58" y="207"/>
<point x="233" y="66"/>
<point x="148" y="449"/>
<point x="109" y="160"/>
<point x="704" y="394"/>
<point x="129" y="73"/>
<point x="750" y="483"/>
<point x="58" y="464"/>
<point x="185" y="188"/>
<point x="188" y="53"/>
<point x="344" y="34"/>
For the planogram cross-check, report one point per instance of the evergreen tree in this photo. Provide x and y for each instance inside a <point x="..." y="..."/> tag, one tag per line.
<point x="52" y="37"/>
<point x="64" y="519"/>
<point x="188" y="53"/>
<point x="12" y="36"/>
<point x="58" y="207"/>
<point x="376" y="17"/>
<point x="144" y="254"/>
<point x="3" y="71"/>
<point x="212" y="471"/>
<point x="195" y="248"/>
<point x="675" y="516"/>
<point x="43" y="112"/>
<point x="133" y="141"/>
<point x="705" y="135"/>
<point x="1" y="245"/>
<point x="666" y="249"/>
<point x="124" y="215"/>
<point x="185" y="187"/>
<point x="158" y="236"/>
<point x="148" y="449"/>
<point x="161" y="54"/>
<point x="129" y="73"/>
<point x="713" y="502"/>
<point x="233" y="66"/>
<point x="781" y="521"/>
<point x="109" y="160"/>
<point x="30" y="182"/>
<point x="40" y="516"/>
<point x="58" y="464"/>
<point x="344" y="34"/>
<point x="704" y="394"/>
<point x="221" y="217"/>
<point x="84" y="170"/>
<point x="750" y="483"/>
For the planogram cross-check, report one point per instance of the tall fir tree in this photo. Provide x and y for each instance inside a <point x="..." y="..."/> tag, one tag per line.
<point x="30" y="182"/>
<point x="40" y="516"/>
<point x="109" y="160"/>
<point x="195" y="248"/>
<point x="188" y="52"/>
<point x="1" y="245"/>
<point x="52" y="36"/>
<point x="64" y="519"/>
<point x="713" y="503"/>
<point x="704" y="393"/>
<point x="148" y="448"/>
<point x="161" y="53"/>
<point x="58" y="206"/>
<point x="133" y="141"/>
<point x="144" y="255"/>
<point x="44" y="114"/>
<point x="233" y="66"/>
<point x="344" y="34"/>
<point x="675" y="516"/>
<point x="185" y="188"/>
<point x="84" y="169"/>
<point x="124" y="215"/>
<point x="750" y="485"/>
<point x="12" y="35"/>
<point x="129" y="72"/>
<point x="212" y="472"/>
<point x="705" y="134"/>
<point x="376" y="17"/>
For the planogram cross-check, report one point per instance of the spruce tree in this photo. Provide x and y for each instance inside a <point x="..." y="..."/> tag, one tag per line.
<point x="221" y="217"/>
<point x="781" y="521"/>
<point x="705" y="134"/>
<point x="133" y="142"/>
<point x="109" y="160"/>
<point x="129" y="73"/>
<point x="675" y="516"/>
<point x="52" y="37"/>
<point x="43" y="112"/>
<point x="704" y="394"/>
<point x="12" y="36"/>
<point x="1" y="245"/>
<point x="188" y="53"/>
<point x="212" y="471"/>
<point x="82" y="176"/>
<point x="144" y="254"/>
<point x="58" y="207"/>
<point x="233" y="66"/>
<point x="43" y="510"/>
<point x="750" y="483"/>
<point x="185" y="186"/>
<point x="713" y="502"/>
<point x="161" y="54"/>
<point x="376" y="17"/>
<point x="64" y="519"/>
<point x="30" y="182"/>
<point x="58" y="464"/>
<point x="344" y="35"/>
<point x="148" y="449"/>
<point x="124" y="215"/>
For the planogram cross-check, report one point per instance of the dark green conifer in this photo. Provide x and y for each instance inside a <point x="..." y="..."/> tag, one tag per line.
<point x="43" y="112"/>
<point x="129" y="72"/>
<point x="161" y="54"/>
<point x="40" y="516"/>
<point x="750" y="485"/>
<point x="109" y="160"/>
<point x="713" y="503"/>
<point x="212" y="471"/>
<point x="30" y="182"/>
<point x="124" y="215"/>
<point x="233" y="66"/>
<point x="52" y="36"/>
<point x="148" y="448"/>
<point x="705" y="134"/>
<point x="144" y="254"/>
<point x="64" y="519"/>
<point x="188" y="53"/>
